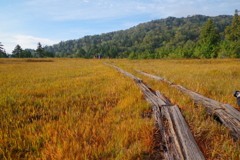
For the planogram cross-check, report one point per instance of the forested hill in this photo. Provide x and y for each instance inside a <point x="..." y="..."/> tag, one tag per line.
<point x="164" y="38"/>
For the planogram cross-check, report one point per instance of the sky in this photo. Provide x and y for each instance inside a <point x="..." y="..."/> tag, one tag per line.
<point x="27" y="22"/>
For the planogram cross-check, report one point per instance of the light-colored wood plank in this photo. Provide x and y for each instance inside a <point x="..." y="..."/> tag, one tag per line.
<point x="178" y="141"/>
<point x="227" y="114"/>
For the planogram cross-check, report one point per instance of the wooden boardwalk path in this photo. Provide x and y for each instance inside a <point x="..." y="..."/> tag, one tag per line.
<point x="227" y="114"/>
<point x="178" y="141"/>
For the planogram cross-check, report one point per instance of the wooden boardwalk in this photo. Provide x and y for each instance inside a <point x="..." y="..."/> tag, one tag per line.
<point x="227" y="114"/>
<point x="178" y="142"/>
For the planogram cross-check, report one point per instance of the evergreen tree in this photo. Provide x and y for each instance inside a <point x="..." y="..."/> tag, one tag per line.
<point x="26" y="54"/>
<point x="40" y="51"/>
<point x="1" y="48"/>
<point x="17" y="52"/>
<point x="3" y="53"/>
<point x="208" y="40"/>
<point x="188" y="49"/>
<point x="232" y="36"/>
<point x="232" y="33"/>
<point x="48" y="54"/>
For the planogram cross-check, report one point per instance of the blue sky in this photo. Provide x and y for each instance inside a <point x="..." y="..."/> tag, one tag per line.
<point x="27" y="22"/>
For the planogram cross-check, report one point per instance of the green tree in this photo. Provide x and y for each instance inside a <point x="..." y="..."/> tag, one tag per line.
<point x="1" y="46"/>
<point x="40" y="51"/>
<point x="231" y="47"/>
<point x="80" y="53"/>
<point x="48" y="54"/>
<point x="3" y="53"/>
<point x="132" y="55"/>
<point x="17" y="52"/>
<point x="188" y="49"/>
<point x="26" y="54"/>
<point x="232" y="33"/>
<point x="147" y="36"/>
<point x="208" y="40"/>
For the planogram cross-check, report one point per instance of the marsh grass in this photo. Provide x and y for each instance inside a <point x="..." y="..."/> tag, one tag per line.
<point x="71" y="109"/>
<point x="83" y="109"/>
<point x="216" y="79"/>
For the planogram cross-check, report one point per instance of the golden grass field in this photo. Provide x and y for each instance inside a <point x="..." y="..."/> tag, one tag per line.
<point x="83" y="109"/>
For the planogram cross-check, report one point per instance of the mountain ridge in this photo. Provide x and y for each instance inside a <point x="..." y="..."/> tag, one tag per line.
<point x="143" y="39"/>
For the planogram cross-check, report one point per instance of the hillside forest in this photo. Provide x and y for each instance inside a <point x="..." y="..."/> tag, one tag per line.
<point x="195" y="36"/>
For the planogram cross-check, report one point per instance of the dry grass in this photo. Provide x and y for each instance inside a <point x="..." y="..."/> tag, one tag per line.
<point x="70" y="109"/>
<point x="83" y="109"/>
<point x="216" y="79"/>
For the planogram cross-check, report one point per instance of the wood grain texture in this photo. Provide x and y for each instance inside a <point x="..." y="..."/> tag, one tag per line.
<point x="227" y="114"/>
<point x="178" y="141"/>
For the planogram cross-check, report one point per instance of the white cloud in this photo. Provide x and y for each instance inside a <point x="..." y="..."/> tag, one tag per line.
<point x="31" y="42"/>
<point x="25" y="41"/>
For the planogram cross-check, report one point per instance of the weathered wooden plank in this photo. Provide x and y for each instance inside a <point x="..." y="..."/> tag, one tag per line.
<point x="155" y="77"/>
<point x="163" y="98"/>
<point x="227" y="114"/>
<point x="178" y="141"/>
<point x="176" y="127"/>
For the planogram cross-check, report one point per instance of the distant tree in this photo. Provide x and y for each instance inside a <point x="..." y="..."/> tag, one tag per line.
<point x="40" y="51"/>
<point x="80" y="53"/>
<point x="17" y="52"/>
<point x="48" y="54"/>
<point x="231" y="48"/>
<point x="208" y="40"/>
<point x="3" y="53"/>
<point x="188" y="49"/>
<point x="26" y="54"/>
<point x="133" y="55"/>
<point x="232" y="32"/>
<point x="1" y="46"/>
<point x="160" y="37"/>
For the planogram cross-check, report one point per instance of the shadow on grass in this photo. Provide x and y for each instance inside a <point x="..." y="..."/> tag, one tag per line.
<point x="39" y="60"/>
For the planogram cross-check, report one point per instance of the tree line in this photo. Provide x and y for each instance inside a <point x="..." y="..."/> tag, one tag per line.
<point x="18" y="52"/>
<point x="195" y="36"/>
